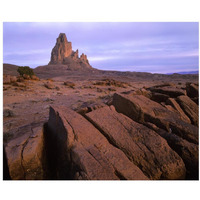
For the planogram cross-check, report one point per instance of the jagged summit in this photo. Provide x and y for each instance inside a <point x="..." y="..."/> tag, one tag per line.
<point x="62" y="53"/>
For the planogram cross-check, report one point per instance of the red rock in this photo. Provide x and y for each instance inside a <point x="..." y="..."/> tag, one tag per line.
<point x="164" y="85"/>
<point x="176" y="106"/>
<point x="63" y="56"/>
<point x="89" y="153"/>
<point x="13" y="79"/>
<point x="62" y="49"/>
<point x="143" y="146"/>
<point x="69" y="84"/>
<point x="158" y="97"/>
<point x="8" y="112"/>
<point x="189" y="152"/>
<point x="142" y="109"/>
<point x="142" y="91"/>
<point x="74" y="55"/>
<point x="192" y="90"/>
<point x="18" y="84"/>
<point x="6" y="79"/>
<point x="20" y="79"/>
<point x="190" y="108"/>
<point x="49" y="85"/>
<point x="33" y="77"/>
<point x="25" y="154"/>
<point x="167" y="90"/>
<point x="27" y="77"/>
<point x="83" y="58"/>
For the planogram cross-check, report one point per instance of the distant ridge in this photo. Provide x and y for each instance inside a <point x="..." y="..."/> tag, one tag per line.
<point x="190" y="72"/>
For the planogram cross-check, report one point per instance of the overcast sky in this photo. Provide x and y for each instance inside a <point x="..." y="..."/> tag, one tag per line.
<point x="146" y="47"/>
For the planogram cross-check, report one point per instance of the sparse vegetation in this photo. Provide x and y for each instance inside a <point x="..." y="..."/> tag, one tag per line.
<point x="25" y="70"/>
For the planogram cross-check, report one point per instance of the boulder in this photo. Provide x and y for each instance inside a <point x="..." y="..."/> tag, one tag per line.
<point x="19" y="84"/>
<point x="142" y="91"/>
<point x="35" y="78"/>
<point x="8" y="112"/>
<point x="49" y="85"/>
<point x="82" y="152"/>
<point x="25" y="154"/>
<point x="190" y="108"/>
<point x="69" y="84"/>
<point x="142" y="110"/>
<point x="27" y="77"/>
<point x="142" y="146"/>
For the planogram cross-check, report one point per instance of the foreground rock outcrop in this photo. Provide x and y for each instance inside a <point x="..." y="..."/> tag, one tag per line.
<point x="84" y="153"/>
<point x="134" y="135"/>
<point x="142" y="146"/>
<point x="183" y="137"/>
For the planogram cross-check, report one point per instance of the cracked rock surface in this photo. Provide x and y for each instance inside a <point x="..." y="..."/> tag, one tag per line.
<point x="25" y="154"/>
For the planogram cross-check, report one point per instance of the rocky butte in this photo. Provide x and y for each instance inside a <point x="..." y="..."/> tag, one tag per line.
<point x="62" y="53"/>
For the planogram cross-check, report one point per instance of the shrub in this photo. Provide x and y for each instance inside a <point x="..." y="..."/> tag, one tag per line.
<point x="25" y="70"/>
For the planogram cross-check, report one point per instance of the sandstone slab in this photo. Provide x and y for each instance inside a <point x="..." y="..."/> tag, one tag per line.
<point x="84" y="152"/>
<point x="143" y="146"/>
<point x="25" y="154"/>
<point x="168" y="90"/>
<point x="142" y="109"/>
<point x="176" y="106"/>
<point x="190" y="108"/>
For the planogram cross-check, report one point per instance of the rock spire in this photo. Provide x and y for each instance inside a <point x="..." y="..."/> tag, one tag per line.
<point x="62" y="53"/>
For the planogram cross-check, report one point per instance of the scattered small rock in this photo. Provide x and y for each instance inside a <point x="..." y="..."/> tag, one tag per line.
<point x="69" y="84"/>
<point x="49" y="85"/>
<point x="8" y="112"/>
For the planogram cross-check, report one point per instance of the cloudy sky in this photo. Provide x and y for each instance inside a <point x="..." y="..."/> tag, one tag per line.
<point x="136" y="46"/>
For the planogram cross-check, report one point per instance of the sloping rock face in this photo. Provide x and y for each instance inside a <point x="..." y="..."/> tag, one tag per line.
<point x="190" y="108"/>
<point x="142" y="109"/>
<point x="177" y="107"/>
<point x="84" y="153"/>
<point x="180" y="135"/>
<point x="24" y="154"/>
<point x="142" y="146"/>
<point x="62" y="54"/>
